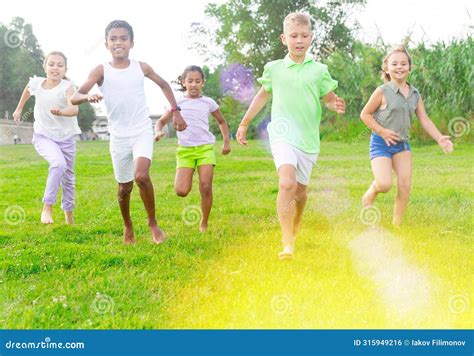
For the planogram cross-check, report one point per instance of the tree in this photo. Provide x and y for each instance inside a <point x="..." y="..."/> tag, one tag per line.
<point x="248" y="30"/>
<point x="246" y="33"/>
<point x="21" y="57"/>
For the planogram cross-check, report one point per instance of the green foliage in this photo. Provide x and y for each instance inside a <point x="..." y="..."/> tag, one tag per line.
<point x="21" y="57"/>
<point x="443" y="73"/>
<point x="86" y="117"/>
<point x="249" y="30"/>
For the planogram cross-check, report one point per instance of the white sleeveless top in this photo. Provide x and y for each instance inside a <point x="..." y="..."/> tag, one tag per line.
<point x="124" y="97"/>
<point x="58" y="128"/>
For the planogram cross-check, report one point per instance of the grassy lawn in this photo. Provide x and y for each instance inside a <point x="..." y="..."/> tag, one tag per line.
<point x="346" y="274"/>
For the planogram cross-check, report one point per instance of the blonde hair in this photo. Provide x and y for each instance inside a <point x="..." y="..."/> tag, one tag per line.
<point x="299" y="18"/>
<point x="395" y="49"/>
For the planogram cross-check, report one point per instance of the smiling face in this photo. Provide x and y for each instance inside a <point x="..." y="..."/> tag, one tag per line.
<point x="119" y="43"/>
<point x="297" y="38"/>
<point x="398" y="66"/>
<point x="55" y="67"/>
<point x="193" y="82"/>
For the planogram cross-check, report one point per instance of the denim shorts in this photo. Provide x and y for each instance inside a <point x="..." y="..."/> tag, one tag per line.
<point x="378" y="147"/>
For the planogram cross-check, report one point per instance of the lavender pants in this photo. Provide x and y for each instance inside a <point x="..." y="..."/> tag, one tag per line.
<point x="60" y="156"/>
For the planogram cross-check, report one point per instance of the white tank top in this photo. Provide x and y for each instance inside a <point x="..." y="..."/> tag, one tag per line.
<point x="124" y="97"/>
<point x="58" y="128"/>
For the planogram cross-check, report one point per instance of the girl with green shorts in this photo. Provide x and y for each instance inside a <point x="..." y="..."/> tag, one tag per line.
<point x="196" y="142"/>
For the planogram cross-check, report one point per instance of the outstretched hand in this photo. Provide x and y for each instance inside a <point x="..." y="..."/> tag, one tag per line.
<point x="226" y="148"/>
<point x="159" y="135"/>
<point x="446" y="144"/>
<point x="241" y="135"/>
<point x="339" y="105"/>
<point x="335" y="103"/>
<point x="56" y="111"/>
<point x="17" y="115"/>
<point x="178" y="121"/>
<point x="94" y="98"/>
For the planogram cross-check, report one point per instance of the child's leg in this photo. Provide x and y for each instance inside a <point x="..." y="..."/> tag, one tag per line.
<point x="301" y="198"/>
<point x="68" y="149"/>
<point x="205" y="187"/>
<point x="51" y="152"/>
<point x="142" y="178"/>
<point x="382" y="170"/>
<point x="286" y="203"/>
<point x="403" y="168"/>
<point x="124" y="191"/>
<point x="183" y="181"/>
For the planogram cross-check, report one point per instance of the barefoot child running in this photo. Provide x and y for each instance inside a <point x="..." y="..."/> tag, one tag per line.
<point x="55" y="128"/>
<point x="196" y="149"/>
<point x="121" y="82"/>
<point x="388" y="114"/>
<point x="296" y="83"/>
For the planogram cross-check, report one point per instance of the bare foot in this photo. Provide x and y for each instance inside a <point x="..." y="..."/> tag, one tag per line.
<point x="128" y="235"/>
<point x="287" y="253"/>
<point x="69" y="217"/>
<point x="369" y="196"/>
<point x="47" y="214"/>
<point x="203" y="227"/>
<point x="158" y="235"/>
<point x="397" y="222"/>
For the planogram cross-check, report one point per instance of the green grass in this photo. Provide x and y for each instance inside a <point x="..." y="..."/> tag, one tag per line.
<point x="345" y="275"/>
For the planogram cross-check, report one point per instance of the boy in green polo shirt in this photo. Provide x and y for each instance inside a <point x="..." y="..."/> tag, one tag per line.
<point x="297" y="82"/>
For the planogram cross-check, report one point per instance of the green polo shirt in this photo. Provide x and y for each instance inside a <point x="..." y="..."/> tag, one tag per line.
<point x="296" y="109"/>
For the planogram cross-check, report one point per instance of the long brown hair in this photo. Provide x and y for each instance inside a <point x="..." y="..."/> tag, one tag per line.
<point x="396" y="49"/>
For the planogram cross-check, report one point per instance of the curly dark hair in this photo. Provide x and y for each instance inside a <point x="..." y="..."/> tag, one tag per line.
<point x="182" y="77"/>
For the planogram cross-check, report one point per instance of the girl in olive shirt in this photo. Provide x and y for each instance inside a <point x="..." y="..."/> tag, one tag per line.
<point x="388" y="114"/>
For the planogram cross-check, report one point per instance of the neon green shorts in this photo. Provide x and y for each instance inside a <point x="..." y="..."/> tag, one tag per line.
<point x="195" y="156"/>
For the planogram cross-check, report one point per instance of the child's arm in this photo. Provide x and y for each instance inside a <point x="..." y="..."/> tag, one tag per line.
<point x="375" y="101"/>
<point x="257" y="104"/>
<point x="96" y="76"/>
<point x="335" y="103"/>
<point x="21" y="104"/>
<point x="224" y="130"/>
<point x="160" y="124"/>
<point x="443" y="141"/>
<point x="178" y="120"/>
<point x="70" y="110"/>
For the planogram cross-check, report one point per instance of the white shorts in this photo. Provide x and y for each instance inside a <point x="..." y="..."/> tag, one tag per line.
<point x="125" y="150"/>
<point x="284" y="153"/>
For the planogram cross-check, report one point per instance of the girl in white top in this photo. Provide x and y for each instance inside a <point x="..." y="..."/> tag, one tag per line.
<point x="196" y="150"/>
<point x="55" y="128"/>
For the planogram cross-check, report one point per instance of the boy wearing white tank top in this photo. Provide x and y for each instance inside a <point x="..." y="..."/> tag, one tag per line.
<point x="131" y="133"/>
